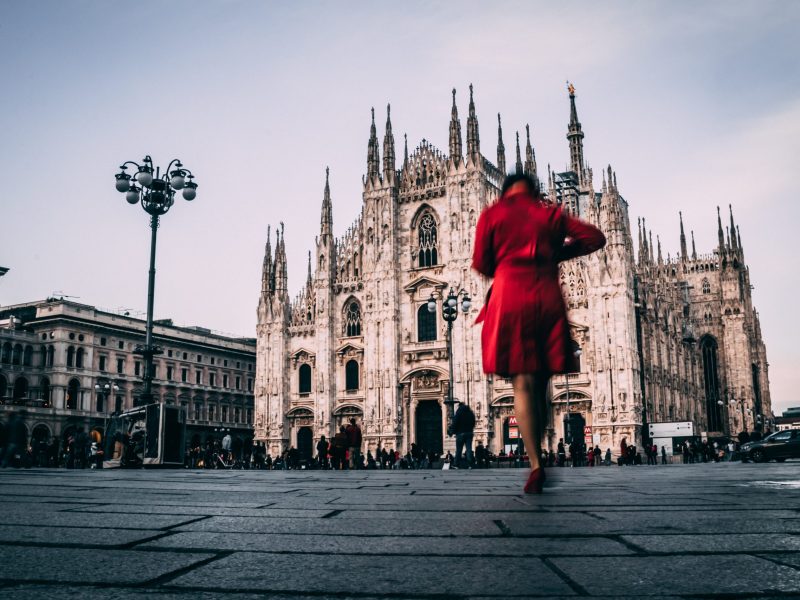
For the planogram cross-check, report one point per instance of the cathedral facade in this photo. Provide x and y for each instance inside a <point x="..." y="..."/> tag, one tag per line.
<point x="657" y="339"/>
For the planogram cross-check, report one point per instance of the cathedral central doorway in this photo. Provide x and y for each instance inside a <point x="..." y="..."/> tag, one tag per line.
<point x="305" y="443"/>
<point x="429" y="426"/>
<point x="574" y="424"/>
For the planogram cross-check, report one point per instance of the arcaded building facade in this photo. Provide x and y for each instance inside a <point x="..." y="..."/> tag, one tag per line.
<point x="659" y="339"/>
<point x="58" y="356"/>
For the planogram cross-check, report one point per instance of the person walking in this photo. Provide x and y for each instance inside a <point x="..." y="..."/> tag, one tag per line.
<point x="322" y="452"/>
<point x="463" y="428"/>
<point x="562" y="453"/>
<point x="519" y="242"/>
<point x="354" y="443"/>
<point x="663" y="455"/>
<point x="339" y="449"/>
<point x="226" y="445"/>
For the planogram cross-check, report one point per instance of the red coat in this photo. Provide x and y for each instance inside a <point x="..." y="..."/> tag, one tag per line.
<point x="520" y="241"/>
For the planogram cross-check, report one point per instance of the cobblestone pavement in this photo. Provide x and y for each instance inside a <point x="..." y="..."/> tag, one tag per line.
<point x="713" y="530"/>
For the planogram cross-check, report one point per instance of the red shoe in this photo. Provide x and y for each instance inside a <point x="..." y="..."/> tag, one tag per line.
<point x="535" y="482"/>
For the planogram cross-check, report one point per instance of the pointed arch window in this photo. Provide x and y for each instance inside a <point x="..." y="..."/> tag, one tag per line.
<point x="706" y="286"/>
<point x="304" y="379"/>
<point x="426" y="324"/>
<point x="708" y="350"/>
<point x="352" y="319"/>
<point x="428" y="234"/>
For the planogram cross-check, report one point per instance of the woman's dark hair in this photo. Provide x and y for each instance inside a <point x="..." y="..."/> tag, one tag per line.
<point x="530" y="180"/>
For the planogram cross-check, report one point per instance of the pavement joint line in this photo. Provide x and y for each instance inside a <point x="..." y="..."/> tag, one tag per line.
<point x="94" y="526"/>
<point x="333" y="513"/>
<point x="630" y="545"/>
<point x="182" y="524"/>
<point x="131" y="545"/>
<point x="331" y="501"/>
<point x="506" y="531"/>
<point x="574" y="586"/>
<point x="166" y="577"/>
<point x="257" y="507"/>
<point x="380" y="535"/>
<point x="776" y="560"/>
<point x="593" y="515"/>
<point x="325" y="594"/>
<point x="198" y="550"/>
<point x="83" y="511"/>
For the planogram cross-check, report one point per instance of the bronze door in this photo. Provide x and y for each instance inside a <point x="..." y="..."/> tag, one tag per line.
<point x="429" y="426"/>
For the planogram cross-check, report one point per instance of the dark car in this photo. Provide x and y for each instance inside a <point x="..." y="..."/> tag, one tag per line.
<point x="778" y="446"/>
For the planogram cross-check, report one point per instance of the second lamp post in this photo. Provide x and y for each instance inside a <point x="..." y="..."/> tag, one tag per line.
<point x="450" y="314"/>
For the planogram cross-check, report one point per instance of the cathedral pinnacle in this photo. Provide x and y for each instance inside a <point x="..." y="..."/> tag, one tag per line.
<point x="575" y="136"/>
<point x="280" y="268"/>
<point x="648" y="257"/>
<point x="373" y="158"/>
<point x="309" y="281"/>
<point x="473" y="138"/>
<point x="518" y="167"/>
<point x="734" y="241"/>
<point x="720" y="235"/>
<point x="326" y="220"/>
<point x="267" y="280"/>
<point x="405" y="150"/>
<point x="501" y="149"/>
<point x="660" y="259"/>
<point x="639" y="231"/>
<point x="694" y="249"/>
<point x="739" y="239"/>
<point x="530" y="156"/>
<point x="456" y="149"/>
<point x="388" y="148"/>
<point x="684" y="254"/>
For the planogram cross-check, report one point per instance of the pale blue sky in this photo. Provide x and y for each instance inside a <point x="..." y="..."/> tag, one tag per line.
<point x="693" y="103"/>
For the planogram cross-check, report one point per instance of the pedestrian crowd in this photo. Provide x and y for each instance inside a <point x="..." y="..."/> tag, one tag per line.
<point x="78" y="450"/>
<point x="81" y="449"/>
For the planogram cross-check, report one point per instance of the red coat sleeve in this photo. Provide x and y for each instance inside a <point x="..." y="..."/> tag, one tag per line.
<point x="483" y="254"/>
<point x="580" y="238"/>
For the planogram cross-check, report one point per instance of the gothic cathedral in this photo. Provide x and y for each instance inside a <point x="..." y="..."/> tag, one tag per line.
<point x="658" y="339"/>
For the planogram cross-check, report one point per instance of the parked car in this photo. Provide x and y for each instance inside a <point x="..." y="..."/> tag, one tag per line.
<point x="779" y="446"/>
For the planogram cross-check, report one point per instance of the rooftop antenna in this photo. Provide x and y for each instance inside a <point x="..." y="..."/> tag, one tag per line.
<point x="61" y="295"/>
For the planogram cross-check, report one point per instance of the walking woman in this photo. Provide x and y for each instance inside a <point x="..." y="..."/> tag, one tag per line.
<point x="519" y="242"/>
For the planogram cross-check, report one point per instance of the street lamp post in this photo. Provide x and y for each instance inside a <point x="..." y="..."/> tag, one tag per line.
<point x="450" y="314"/>
<point x="104" y="392"/>
<point x="568" y="419"/>
<point x="156" y="196"/>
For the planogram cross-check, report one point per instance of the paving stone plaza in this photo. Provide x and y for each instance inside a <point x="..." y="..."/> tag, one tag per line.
<point x="707" y="530"/>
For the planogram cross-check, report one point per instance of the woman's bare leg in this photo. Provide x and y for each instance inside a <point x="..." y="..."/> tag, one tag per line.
<point x="530" y="408"/>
